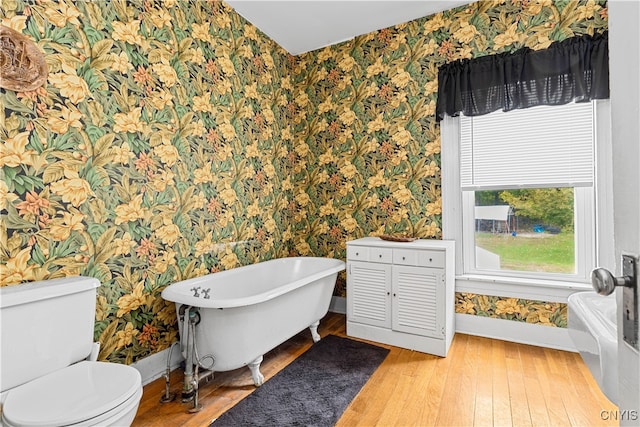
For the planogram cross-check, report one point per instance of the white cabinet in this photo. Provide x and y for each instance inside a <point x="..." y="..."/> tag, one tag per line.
<point x="401" y="293"/>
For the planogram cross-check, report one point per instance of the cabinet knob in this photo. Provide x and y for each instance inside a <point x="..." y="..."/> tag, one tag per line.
<point x="357" y="253"/>
<point x="403" y="258"/>
<point x="380" y="256"/>
<point x="394" y="294"/>
<point x="430" y="259"/>
<point x="388" y="293"/>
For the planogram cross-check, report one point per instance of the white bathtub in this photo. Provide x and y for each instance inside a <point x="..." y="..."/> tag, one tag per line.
<point x="247" y="311"/>
<point x="593" y="330"/>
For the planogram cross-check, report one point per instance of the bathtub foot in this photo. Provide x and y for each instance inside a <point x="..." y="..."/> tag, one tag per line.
<point x="254" y="367"/>
<point x="314" y="331"/>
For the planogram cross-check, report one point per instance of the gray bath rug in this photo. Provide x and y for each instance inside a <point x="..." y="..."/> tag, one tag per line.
<point x="313" y="390"/>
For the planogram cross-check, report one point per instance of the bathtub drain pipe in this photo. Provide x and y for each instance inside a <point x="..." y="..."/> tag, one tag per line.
<point x="190" y="318"/>
<point x="168" y="396"/>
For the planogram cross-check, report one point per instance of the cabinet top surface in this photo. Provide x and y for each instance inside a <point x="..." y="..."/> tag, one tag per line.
<point x="416" y="244"/>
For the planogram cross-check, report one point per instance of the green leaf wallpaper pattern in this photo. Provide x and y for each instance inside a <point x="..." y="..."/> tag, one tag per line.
<point x="173" y="139"/>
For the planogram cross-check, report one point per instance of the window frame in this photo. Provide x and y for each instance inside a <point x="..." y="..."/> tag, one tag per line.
<point x="597" y="211"/>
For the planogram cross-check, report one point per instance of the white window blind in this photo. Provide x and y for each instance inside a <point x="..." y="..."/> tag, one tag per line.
<point x="546" y="146"/>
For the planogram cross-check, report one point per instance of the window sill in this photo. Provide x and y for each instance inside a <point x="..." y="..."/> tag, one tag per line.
<point x="512" y="287"/>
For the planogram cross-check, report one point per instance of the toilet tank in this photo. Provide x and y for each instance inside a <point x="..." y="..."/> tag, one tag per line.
<point x="45" y="326"/>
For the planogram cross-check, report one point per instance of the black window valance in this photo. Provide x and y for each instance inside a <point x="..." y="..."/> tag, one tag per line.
<point x="575" y="69"/>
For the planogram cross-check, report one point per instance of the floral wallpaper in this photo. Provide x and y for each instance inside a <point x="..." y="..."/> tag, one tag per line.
<point x="158" y="150"/>
<point x="173" y="139"/>
<point x="522" y="310"/>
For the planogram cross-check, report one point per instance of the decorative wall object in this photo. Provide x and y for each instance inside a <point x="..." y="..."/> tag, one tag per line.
<point x="173" y="139"/>
<point x="22" y="65"/>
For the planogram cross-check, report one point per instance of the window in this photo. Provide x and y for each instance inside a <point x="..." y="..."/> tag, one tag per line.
<point x="523" y="185"/>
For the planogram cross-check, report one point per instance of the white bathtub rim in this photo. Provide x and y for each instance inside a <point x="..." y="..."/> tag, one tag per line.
<point x="174" y="292"/>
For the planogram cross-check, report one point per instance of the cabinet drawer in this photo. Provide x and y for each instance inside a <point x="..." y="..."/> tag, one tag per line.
<point x="431" y="259"/>
<point x="358" y="253"/>
<point x="405" y="256"/>
<point x="383" y="255"/>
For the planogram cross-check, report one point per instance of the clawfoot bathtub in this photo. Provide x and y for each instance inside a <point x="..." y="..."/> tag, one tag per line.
<point x="247" y="311"/>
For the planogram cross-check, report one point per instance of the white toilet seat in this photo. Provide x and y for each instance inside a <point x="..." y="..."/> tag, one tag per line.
<point x="86" y="393"/>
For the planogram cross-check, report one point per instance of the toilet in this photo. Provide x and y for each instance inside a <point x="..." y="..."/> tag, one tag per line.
<point x="49" y="375"/>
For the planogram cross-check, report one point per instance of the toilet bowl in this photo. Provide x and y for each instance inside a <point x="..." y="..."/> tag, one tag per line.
<point x="49" y="375"/>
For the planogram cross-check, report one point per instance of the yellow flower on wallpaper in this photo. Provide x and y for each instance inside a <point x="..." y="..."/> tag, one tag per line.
<point x="125" y="336"/>
<point x="13" y="151"/>
<point x="161" y="99"/>
<point x="229" y="260"/>
<point x="163" y="261"/>
<point x="167" y="153"/>
<point x="203" y="103"/>
<point x="509" y="37"/>
<point x="227" y="65"/>
<point x="377" y="124"/>
<point x="16" y="270"/>
<point x="160" y="18"/>
<point x="434" y="208"/>
<point x="129" y="122"/>
<point x="270" y="225"/>
<point x="465" y="307"/>
<point x="349" y="224"/>
<point x="401" y="78"/>
<point x="254" y="210"/>
<point x="376" y="68"/>
<point x="166" y="73"/>
<point x="124" y="244"/>
<point x="228" y="196"/>
<point x="201" y="32"/>
<point x="72" y="188"/>
<point x="302" y="199"/>
<point x="303" y="248"/>
<point x="123" y="153"/>
<point x="6" y="197"/>
<point x="587" y="10"/>
<point x="61" y="228"/>
<point x="60" y="120"/>
<point x="466" y="32"/>
<point x="131" y="211"/>
<point x="129" y="302"/>
<point x="71" y="85"/>
<point x="510" y="306"/>
<point x="402" y="136"/>
<point x="227" y="130"/>
<point x="121" y="62"/>
<point x="61" y="13"/>
<point x="168" y="233"/>
<point x="128" y="33"/>
<point x="161" y="180"/>
<point x="436" y="22"/>
<point x="203" y="174"/>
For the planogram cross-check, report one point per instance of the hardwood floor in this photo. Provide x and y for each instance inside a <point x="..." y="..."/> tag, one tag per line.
<point x="482" y="382"/>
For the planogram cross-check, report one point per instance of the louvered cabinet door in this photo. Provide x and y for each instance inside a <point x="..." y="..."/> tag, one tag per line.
<point x="417" y="301"/>
<point x="368" y="293"/>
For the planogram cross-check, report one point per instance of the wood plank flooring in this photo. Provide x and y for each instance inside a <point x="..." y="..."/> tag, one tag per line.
<point x="482" y="382"/>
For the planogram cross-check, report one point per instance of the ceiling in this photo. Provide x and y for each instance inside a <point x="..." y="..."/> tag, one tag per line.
<point x="301" y="26"/>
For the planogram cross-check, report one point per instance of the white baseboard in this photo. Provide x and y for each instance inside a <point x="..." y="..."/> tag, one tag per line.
<point x="338" y="305"/>
<point x="154" y="366"/>
<point x="520" y="332"/>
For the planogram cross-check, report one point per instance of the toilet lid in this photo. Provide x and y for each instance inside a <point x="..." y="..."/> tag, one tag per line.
<point x="71" y="395"/>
